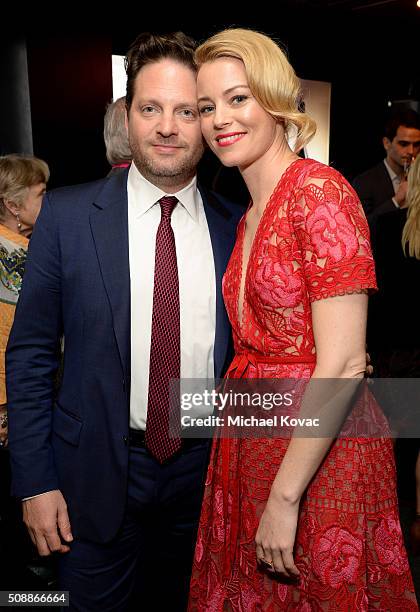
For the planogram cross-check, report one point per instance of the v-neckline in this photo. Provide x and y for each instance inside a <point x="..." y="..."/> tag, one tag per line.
<point x="240" y="312"/>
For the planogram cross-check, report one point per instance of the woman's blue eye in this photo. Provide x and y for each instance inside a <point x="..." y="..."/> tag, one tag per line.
<point x="205" y="109"/>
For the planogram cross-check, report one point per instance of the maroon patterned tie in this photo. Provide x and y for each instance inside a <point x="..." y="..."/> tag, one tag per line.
<point x="165" y="350"/>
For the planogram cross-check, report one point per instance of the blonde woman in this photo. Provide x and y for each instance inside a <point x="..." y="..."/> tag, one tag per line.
<point x="22" y="185"/>
<point x="300" y="524"/>
<point x="411" y="231"/>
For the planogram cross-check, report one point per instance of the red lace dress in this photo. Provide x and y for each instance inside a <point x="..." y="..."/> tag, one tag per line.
<point x="312" y="242"/>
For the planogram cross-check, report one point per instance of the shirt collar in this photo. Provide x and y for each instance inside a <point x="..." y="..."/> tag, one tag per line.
<point x="393" y="175"/>
<point x="142" y="194"/>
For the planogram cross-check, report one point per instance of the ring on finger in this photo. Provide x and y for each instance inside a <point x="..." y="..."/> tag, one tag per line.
<point x="266" y="564"/>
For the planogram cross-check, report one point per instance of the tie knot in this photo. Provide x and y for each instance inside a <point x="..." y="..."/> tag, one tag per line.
<point x="167" y="204"/>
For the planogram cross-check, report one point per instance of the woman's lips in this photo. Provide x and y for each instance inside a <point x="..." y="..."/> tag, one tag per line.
<point x="225" y="140"/>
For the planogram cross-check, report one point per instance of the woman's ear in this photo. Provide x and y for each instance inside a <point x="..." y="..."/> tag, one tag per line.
<point x="12" y="207"/>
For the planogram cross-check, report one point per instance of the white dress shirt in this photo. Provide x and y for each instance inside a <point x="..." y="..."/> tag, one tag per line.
<point x="197" y="284"/>
<point x="396" y="180"/>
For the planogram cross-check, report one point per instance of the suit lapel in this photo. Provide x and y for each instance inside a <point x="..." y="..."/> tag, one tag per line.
<point x="222" y="234"/>
<point x="385" y="182"/>
<point x="109" y="226"/>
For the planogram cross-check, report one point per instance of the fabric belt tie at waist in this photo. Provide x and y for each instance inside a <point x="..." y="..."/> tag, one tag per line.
<point x="241" y="361"/>
<point x="238" y="368"/>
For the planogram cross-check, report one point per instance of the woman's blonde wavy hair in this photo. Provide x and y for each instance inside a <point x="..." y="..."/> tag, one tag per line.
<point x="411" y="232"/>
<point x="271" y="78"/>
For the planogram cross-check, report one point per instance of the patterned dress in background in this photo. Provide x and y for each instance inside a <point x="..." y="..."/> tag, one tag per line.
<point x="13" y="249"/>
<point x="312" y="242"/>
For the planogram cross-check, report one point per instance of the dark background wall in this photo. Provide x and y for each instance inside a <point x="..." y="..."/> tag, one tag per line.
<point x="70" y="84"/>
<point x="15" y="111"/>
<point x="368" y="51"/>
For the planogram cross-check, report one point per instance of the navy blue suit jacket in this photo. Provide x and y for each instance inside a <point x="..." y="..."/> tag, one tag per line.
<point x="77" y="285"/>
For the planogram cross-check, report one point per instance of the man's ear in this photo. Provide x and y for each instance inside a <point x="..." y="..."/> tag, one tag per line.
<point x="386" y="142"/>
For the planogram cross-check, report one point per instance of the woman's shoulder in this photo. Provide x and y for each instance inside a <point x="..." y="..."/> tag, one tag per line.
<point x="308" y="170"/>
<point x="12" y="240"/>
<point x="313" y="182"/>
<point x="319" y="191"/>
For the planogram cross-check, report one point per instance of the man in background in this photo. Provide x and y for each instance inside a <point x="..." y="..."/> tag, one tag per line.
<point x="383" y="188"/>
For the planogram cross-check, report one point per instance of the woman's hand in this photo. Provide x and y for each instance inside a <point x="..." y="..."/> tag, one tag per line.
<point x="276" y="536"/>
<point x="3" y="425"/>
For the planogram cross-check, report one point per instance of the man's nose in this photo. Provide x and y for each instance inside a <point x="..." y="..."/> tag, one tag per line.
<point x="167" y="125"/>
<point x="411" y="149"/>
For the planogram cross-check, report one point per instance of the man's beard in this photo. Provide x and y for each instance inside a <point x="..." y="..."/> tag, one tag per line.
<point x="174" y="172"/>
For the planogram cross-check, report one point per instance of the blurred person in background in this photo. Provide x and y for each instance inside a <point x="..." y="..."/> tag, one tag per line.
<point x="396" y="353"/>
<point x="383" y="188"/>
<point x="22" y="186"/>
<point x="23" y="182"/>
<point x="118" y="152"/>
<point x="396" y="249"/>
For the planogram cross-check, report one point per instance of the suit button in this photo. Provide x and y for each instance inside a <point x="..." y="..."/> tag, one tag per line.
<point x="123" y="383"/>
<point x="125" y="440"/>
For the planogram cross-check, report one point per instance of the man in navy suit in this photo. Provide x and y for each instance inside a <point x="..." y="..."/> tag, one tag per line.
<point x="383" y="188"/>
<point x="101" y="484"/>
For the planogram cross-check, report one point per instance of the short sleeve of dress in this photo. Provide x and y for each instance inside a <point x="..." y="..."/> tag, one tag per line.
<point x="332" y="234"/>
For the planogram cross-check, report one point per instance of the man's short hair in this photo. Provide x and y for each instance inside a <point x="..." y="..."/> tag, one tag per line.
<point x="408" y="118"/>
<point x="150" y="48"/>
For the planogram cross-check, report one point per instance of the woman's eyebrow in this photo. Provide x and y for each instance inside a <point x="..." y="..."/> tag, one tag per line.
<point x="226" y="92"/>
